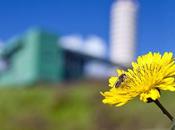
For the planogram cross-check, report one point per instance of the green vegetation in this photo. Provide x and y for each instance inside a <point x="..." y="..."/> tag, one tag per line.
<point x="76" y="107"/>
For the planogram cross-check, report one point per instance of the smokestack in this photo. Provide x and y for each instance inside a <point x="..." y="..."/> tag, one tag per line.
<point x="123" y="31"/>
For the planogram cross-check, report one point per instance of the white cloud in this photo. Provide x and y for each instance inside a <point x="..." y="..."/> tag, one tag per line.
<point x="92" y="45"/>
<point x="97" y="69"/>
<point x="72" y="42"/>
<point x="95" y="46"/>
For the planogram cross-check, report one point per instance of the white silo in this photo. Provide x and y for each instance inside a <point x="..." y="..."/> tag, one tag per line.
<point x="123" y="31"/>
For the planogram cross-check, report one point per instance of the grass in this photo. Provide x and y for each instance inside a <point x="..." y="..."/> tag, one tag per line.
<point x="76" y="107"/>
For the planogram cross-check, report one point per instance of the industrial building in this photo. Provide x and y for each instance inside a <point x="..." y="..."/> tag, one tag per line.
<point x="123" y="31"/>
<point x="36" y="57"/>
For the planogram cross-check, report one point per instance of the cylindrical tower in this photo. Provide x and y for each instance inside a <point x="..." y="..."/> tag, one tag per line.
<point x="123" y="31"/>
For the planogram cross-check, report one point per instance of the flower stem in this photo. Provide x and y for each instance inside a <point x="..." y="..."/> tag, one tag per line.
<point x="163" y="110"/>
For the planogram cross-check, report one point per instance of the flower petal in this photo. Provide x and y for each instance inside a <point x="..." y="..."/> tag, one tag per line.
<point x="112" y="81"/>
<point x="153" y="94"/>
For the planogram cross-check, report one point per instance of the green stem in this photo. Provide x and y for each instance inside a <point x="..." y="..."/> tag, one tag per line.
<point x="173" y="125"/>
<point x="163" y="110"/>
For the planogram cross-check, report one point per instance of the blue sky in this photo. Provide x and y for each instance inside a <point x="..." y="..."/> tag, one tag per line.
<point x="156" y="22"/>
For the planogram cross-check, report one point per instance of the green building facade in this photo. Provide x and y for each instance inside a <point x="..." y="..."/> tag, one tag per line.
<point x="37" y="57"/>
<point x="31" y="58"/>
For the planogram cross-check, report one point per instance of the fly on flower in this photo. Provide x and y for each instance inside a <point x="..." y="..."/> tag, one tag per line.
<point x="121" y="79"/>
<point x="149" y="74"/>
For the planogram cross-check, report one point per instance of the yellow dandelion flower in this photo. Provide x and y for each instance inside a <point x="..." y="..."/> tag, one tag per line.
<point x="149" y="74"/>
